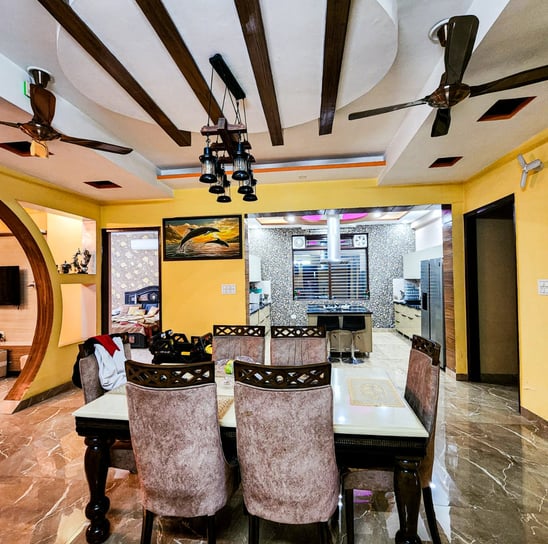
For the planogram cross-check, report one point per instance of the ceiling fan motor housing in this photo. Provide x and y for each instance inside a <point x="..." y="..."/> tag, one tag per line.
<point x="40" y="76"/>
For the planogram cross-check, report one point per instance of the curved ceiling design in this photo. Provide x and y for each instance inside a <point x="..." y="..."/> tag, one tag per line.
<point x="293" y="46"/>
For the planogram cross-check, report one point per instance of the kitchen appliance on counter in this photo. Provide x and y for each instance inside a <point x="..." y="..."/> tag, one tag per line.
<point x="431" y="301"/>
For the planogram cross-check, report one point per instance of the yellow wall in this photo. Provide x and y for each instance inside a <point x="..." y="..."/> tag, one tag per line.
<point x="56" y="368"/>
<point x="503" y="179"/>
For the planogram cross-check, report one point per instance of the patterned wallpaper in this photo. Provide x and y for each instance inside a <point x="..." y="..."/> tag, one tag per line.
<point x="131" y="269"/>
<point x="387" y="245"/>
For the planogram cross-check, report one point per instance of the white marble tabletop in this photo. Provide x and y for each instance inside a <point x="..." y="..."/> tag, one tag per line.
<point x="348" y="418"/>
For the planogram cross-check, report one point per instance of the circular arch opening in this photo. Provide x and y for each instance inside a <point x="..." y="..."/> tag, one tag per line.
<point x="44" y="295"/>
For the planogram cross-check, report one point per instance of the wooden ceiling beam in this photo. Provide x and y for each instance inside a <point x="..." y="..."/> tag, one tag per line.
<point x="162" y="23"/>
<point x="78" y="29"/>
<point x="336" y="23"/>
<point x="251" y="21"/>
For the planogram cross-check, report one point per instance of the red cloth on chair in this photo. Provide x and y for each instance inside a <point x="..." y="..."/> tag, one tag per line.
<point x="108" y="343"/>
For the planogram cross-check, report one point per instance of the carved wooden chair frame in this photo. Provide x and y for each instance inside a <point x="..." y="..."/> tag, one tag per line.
<point x="282" y="377"/>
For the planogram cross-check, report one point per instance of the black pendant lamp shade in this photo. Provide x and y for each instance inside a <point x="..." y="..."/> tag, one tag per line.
<point x="209" y="166"/>
<point x="218" y="187"/>
<point x="225" y="196"/>
<point x="241" y="163"/>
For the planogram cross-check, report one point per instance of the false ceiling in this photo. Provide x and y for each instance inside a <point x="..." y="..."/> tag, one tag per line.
<point x="304" y="67"/>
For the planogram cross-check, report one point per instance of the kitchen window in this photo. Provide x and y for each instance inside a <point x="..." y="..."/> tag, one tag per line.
<point x="316" y="278"/>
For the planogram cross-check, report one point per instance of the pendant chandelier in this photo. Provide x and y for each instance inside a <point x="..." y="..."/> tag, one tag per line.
<point x="231" y="143"/>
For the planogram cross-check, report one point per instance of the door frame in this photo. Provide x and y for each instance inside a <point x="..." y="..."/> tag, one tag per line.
<point x="106" y="267"/>
<point x="471" y="259"/>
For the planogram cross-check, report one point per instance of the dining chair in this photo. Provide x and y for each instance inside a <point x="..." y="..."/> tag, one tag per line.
<point x="121" y="452"/>
<point x="233" y="341"/>
<point x="172" y="411"/>
<point x="297" y="345"/>
<point x="421" y="393"/>
<point x="285" y="443"/>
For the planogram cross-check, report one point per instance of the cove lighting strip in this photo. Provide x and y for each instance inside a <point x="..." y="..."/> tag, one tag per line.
<point x="314" y="164"/>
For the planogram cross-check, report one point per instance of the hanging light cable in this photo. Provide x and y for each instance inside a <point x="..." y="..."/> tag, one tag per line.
<point x="233" y="142"/>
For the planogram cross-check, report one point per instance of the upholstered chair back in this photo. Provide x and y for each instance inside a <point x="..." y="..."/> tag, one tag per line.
<point x="286" y="452"/>
<point x="421" y="392"/>
<point x="121" y="453"/>
<point x="175" y="432"/>
<point x="89" y="367"/>
<point x="297" y="345"/>
<point x="234" y="341"/>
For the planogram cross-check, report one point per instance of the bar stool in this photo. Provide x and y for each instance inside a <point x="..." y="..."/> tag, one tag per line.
<point x="355" y="324"/>
<point x="340" y="346"/>
<point x="331" y="325"/>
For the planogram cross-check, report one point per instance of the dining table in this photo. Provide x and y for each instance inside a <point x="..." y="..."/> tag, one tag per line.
<point x="373" y="427"/>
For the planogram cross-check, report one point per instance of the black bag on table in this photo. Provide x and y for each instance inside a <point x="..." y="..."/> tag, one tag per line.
<point x="174" y="347"/>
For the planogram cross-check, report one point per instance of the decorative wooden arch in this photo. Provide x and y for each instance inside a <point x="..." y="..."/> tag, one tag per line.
<point x="44" y="296"/>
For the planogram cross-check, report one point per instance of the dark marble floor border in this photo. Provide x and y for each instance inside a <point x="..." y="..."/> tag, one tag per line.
<point x="541" y="422"/>
<point x="43" y="396"/>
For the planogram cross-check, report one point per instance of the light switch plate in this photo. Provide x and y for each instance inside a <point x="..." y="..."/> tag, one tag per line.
<point x="228" y="288"/>
<point x="543" y="287"/>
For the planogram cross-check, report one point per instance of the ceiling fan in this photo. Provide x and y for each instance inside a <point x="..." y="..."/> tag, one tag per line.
<point x="457" y="35"/>
<point x="39" y="127"/>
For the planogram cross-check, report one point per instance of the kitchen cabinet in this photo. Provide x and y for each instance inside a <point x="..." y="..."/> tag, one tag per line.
<point x="254" y="268"/>
<point x="261" y="317"/>
<point x="407" y="320"/>
<point x="412" y="261"/>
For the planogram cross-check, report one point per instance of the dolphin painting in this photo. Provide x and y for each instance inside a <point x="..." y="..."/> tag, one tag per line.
<point x="193" y="232"/>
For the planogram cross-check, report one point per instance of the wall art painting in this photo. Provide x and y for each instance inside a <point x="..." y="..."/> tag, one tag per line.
<point x="191" y="238"/>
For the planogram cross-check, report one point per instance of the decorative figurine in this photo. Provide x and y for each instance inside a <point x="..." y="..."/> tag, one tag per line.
<point x="81" y="261"/>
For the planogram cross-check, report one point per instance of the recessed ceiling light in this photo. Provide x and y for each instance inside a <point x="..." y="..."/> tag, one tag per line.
<point x="505" y="108"/>
<point x="443" y="162"/>
<point x="103" y="184"/>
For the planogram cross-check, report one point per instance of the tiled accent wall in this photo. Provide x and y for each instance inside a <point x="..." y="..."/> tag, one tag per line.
<point x="131" y="269"/>
<point x="387" y="245"/>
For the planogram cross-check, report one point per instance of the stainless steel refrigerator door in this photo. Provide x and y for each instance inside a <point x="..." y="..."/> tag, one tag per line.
<point x="425" y="304"/>
<point x="437" y="321"/>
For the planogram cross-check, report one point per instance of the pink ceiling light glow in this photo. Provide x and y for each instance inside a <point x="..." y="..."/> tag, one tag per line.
<point x="344" y="217"/>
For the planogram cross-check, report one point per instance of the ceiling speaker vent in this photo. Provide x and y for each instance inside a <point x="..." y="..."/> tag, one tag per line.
<point x="103" y="184"/>
<point x="505" y="108"/>
<point x="444" y="162"/>
<point x="19" y="148"/>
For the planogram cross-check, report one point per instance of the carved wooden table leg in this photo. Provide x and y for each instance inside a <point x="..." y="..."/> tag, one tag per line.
<point x="96" y="463"/>
<point x="408" y="498"/>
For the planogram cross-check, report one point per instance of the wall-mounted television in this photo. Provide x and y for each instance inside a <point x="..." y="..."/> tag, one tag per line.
<point x="10" y="286"/>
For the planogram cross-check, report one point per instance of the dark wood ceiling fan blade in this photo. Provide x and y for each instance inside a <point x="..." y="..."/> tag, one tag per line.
<point x="42" y="102"/>
<point x="441" y="124"/>
<point x="9" y="124"/>
<point x="461" y="36"/>
<point x="386" y="109"/>
<point x="527" y="77"/>
<point x="95" y="144"/>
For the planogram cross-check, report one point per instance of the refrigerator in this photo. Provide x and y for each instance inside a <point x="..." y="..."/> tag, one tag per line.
<point x="432" y="315"/>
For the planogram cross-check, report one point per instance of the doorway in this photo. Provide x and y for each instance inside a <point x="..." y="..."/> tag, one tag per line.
<point x="130" y="286"/>
<point x="491" y="293"/>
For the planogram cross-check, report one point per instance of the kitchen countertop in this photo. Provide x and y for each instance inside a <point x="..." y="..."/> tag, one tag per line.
<point x="415" y="306"/>
<point x="337" y="309"/>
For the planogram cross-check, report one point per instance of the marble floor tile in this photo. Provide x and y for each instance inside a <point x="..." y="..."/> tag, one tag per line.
<point x="490" y="476"/>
